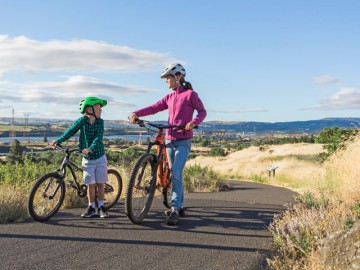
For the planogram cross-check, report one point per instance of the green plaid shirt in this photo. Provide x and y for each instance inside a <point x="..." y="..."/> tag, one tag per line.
<point x="91" y="136"/>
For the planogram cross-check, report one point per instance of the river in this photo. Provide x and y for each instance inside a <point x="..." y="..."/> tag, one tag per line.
<point x="41" y="139"/>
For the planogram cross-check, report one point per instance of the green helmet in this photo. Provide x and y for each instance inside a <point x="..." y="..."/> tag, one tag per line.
<point x="91" y="101"/>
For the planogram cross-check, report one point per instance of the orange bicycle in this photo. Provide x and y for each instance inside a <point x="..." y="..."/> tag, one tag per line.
<point x="150" y="173"/>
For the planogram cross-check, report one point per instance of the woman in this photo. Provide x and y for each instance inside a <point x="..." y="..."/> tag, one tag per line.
<point x="181" y="104"/>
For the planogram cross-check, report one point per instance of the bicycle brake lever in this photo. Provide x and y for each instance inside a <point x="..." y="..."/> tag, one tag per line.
<point x="140" y="122"/>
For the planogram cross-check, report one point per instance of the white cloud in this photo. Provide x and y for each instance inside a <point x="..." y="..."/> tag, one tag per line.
<point x="22" y="53"/>
<point x="346" y="98"/>
<point x="57" y="98"/>
<point x="326" y="79"/>
<point x="88" y="86"/>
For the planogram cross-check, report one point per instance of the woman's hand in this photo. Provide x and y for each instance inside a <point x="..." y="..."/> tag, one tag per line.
<point x="190" y="126"/>
<point x="133" y="118"/>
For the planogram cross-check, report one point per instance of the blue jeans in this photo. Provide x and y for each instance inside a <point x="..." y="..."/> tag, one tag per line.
<point x="177" y="152"/>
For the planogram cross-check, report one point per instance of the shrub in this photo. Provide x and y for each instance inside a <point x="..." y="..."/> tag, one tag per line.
<point x="309" y="200"/>
<point x="22" y="174"/>
<point x="298" y="232"/>
<point x="334" y="139"/>
<point x="217" y="152"/>
<point x="125" y="157"/>
<point x="12" y="204"/>
<point x="197" y="178"/>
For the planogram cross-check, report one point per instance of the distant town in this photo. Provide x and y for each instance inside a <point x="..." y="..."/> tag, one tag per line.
<point x="37" y="127"/>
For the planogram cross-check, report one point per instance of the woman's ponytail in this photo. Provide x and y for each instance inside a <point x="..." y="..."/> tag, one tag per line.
<point x="187" y="85"/>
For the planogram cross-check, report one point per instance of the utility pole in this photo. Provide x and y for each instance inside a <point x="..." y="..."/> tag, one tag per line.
<point x="12" y="133"/>
<point x="26" y="123"/>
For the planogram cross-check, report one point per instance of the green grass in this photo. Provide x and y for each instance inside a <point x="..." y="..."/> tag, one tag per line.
<point x="15" y="128"/>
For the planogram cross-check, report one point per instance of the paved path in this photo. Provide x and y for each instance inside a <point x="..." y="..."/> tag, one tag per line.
<point x="224" y="230"/>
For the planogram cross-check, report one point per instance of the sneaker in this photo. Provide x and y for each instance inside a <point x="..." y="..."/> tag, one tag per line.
<point x="181" y="212"/>
<point x="102" y="212"/>
<point x="173" y="218"/>
<point x="89" y="212"/>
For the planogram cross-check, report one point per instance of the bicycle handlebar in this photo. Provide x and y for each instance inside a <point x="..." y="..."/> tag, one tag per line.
<point x="142" y="123"/>
<point x="67" y="150"/>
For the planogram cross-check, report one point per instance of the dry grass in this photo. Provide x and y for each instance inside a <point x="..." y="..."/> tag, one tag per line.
<point x="331" y="192"/>
<point x="342" y="174"/>
<point x="12" y="204"/>
<point x="293" y="172"/>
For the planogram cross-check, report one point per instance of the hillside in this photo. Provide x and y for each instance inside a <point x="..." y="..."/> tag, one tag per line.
<point x="294" y="161"/>
<point x="295" y="127"/>
<point x="310" y="126"/>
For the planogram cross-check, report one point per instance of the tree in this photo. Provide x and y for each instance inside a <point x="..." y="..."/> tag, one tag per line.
<point x="15" y="148"/>
<point x="15" y="152"/>
<point x="335" y="139"/>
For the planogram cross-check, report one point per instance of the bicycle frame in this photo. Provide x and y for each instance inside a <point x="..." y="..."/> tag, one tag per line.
<point x="163" y="168"/>
<point x="68" y="163"/>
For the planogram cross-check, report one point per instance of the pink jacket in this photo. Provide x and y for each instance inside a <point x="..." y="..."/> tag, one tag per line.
<point x="181" y="104"/>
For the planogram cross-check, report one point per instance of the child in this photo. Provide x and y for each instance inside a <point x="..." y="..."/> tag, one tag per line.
<point x="94" y="162"/>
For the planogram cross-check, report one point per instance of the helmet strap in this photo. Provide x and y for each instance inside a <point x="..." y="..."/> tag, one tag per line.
<point x="177" y="81"/>
<point x="93" y="112"/>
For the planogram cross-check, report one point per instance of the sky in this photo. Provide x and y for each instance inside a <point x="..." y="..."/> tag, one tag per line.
<point x="253" y="60"/>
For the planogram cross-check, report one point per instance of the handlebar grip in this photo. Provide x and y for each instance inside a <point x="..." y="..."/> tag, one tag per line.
<point x="58" y="146"/>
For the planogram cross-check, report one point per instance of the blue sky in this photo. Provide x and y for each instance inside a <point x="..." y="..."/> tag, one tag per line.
<point x="258" y="60"/>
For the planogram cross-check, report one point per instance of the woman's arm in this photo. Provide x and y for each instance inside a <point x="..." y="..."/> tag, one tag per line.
<point x="159" y="106"/>
<point x="199" y="107"/>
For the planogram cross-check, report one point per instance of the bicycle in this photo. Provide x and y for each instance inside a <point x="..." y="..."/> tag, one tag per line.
<point x="48" y="192"/>
<point x="150" y="173"/>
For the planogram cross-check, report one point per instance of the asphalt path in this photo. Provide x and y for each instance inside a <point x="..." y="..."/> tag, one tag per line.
<point x="222" y="230"/>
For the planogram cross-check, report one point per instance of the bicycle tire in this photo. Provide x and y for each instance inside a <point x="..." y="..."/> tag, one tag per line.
<point x="46" y="207"/>
<point x="166" y="193"/>
<point x="113" y="188"/>
<point x="141" y="188"/>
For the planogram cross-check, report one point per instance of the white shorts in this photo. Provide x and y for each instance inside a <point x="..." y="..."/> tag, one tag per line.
<point x="95" y="171"/>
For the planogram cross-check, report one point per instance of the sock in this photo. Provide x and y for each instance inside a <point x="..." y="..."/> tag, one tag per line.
<point x="100" y="203"/>
<point x="92" y="205"/>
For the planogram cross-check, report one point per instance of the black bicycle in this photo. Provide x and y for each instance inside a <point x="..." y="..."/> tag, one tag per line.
<point x="48" y="192"/>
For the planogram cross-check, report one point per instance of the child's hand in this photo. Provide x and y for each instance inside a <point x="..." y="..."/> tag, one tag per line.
<point x="52" y="143"/>
<point x="86" y="151"/>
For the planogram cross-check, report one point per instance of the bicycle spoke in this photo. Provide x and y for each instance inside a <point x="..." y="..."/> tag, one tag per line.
<point x="46" y="197"/>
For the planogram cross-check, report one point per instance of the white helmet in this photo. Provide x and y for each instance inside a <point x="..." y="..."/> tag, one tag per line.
<point x="172" y="70"/>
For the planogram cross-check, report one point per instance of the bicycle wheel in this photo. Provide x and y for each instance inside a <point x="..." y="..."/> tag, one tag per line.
<point x="113" y="188"/>
<point x="141" y="188"/>
<point x="166" y="193"/>
<point x="46" y="197"/>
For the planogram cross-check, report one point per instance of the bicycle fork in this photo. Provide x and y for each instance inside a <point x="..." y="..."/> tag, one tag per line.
<point x="58" y="181"/>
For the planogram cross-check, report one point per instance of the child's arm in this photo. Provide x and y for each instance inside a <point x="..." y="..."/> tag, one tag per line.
<point x="71" y="131"/>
